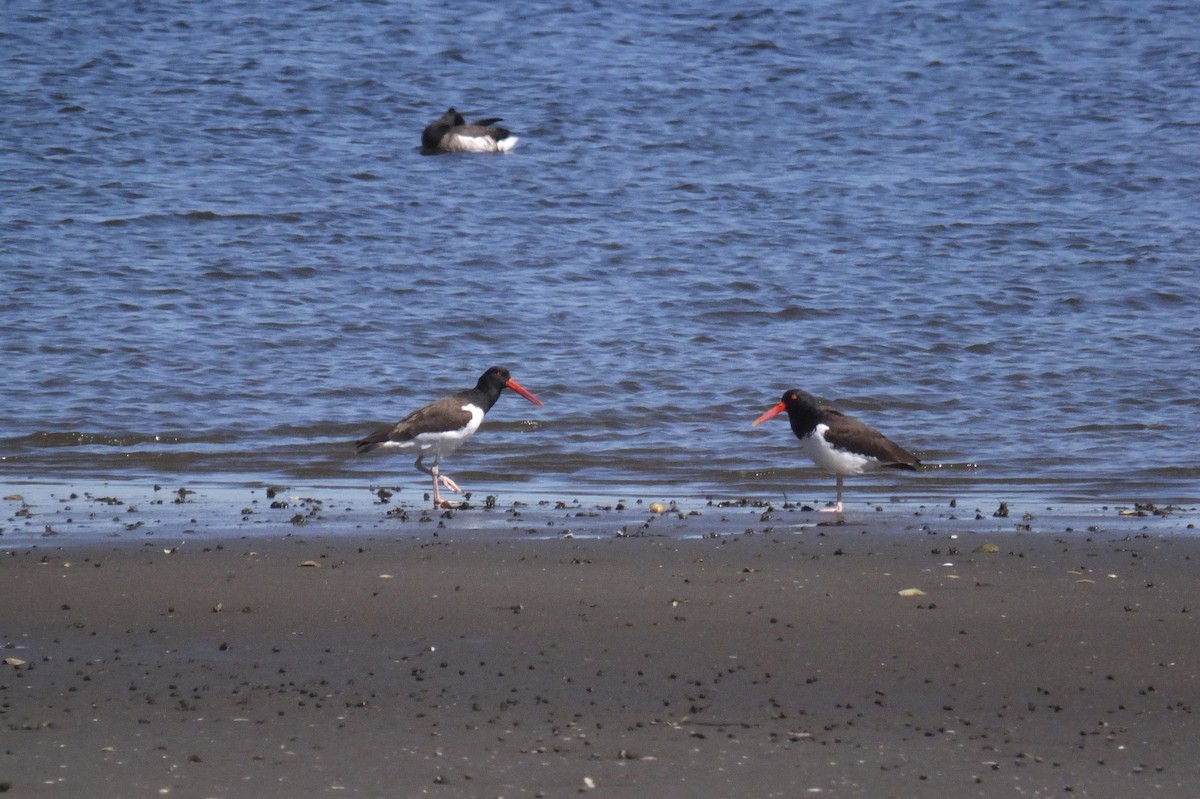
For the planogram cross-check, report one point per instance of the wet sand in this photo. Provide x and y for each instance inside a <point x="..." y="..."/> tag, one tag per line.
<point x="725" y="653"/>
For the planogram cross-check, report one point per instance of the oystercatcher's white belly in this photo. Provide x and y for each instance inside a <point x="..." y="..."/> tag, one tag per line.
<point x="442" y="442"/>
<point x="831" y="459"/>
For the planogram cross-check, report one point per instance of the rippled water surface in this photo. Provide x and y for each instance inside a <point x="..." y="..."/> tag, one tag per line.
<point x="222" y="257"/>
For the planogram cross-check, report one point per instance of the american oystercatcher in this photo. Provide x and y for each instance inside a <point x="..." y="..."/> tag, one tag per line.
<point x="442" y="426"/>
<point x="450" y="133"/>
<point x="836" y="442"/>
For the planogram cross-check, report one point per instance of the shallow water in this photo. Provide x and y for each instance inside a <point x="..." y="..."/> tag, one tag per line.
<point x="128" y="513"/>
<point x="223" y="258"/>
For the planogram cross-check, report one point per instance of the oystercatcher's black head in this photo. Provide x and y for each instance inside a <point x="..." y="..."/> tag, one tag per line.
<point x="799" y="405"/>
<point x="496" y="379"/>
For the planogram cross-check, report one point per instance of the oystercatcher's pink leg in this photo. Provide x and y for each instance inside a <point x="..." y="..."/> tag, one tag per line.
<point x="838" y="507"/>
<point x="438" y="478"/>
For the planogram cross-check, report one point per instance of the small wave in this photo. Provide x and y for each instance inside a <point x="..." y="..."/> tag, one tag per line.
<point x="1116" y="428"/>
<point x="75" y="438"/>
<point x="199" y="216"/>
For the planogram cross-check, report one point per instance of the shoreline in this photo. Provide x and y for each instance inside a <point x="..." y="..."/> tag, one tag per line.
<point x="87" y="514"/>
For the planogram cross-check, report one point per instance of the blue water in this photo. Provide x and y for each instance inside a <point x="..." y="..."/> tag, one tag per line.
<point x="973" y="225"/>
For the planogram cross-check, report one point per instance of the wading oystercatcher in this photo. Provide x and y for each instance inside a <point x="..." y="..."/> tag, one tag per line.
<point x="450" y="133"/>
<point x="442" y="426"/>
<point x="836" y="442"/>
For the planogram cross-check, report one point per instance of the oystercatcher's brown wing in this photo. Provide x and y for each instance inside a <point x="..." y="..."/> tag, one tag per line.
<point x="846" y="432"/>
<point x="436" y="417"/>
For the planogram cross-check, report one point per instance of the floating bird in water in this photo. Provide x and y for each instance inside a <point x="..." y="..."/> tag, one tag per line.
<point x="838" y="443"/>
<point x="450" y="133"/>
<point x="444" y="425"/>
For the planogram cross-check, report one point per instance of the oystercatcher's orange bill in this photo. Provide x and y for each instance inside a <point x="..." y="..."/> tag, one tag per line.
<point x="515" y="386"/>
<point x="771" y="414"/>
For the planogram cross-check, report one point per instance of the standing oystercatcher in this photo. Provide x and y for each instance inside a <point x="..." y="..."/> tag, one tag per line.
<point x="444" y="425"/>
<point x="450" y="133"/>
<point x="836" y="442"/>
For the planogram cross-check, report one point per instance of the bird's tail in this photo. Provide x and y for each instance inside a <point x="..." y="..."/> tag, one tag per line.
<point x="373" y="441"/>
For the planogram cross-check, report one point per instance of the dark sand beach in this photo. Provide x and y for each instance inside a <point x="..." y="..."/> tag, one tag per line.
<point x="738" y="652"/>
